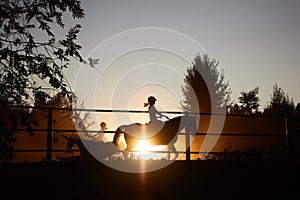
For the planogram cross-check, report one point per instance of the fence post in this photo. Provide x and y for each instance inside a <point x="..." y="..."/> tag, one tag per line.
<point x="291" y="125"/>
<point x="49" y="136"/>
<point x="187" y="145"/>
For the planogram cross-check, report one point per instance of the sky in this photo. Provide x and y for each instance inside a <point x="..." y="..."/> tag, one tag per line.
<point x="145" y="48"/>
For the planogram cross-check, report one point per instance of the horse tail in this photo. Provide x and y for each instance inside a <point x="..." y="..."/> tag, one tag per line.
<point x="117" y="137"/>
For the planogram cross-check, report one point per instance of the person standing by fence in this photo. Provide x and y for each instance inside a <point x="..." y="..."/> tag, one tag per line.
<point x="100" y="135"/>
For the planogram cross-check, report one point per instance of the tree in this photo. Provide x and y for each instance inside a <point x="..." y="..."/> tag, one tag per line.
<point x="204" y="83"/>
<point x="249" y="101"/>
<point x="280" y="104"/>
<point x="32" y="58"/>
<point x="297" y="109"/>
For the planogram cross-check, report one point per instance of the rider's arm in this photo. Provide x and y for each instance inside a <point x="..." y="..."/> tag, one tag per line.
<point x="160" y="114"/>
<point x="164" y="115"/>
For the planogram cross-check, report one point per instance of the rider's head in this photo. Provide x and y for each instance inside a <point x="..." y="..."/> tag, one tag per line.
<point x="151" y="99"/>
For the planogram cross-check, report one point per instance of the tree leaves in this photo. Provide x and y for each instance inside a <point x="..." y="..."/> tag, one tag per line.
<point x="26" y="61"/>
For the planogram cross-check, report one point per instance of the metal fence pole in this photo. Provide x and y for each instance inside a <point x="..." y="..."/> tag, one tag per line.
<point x="187" y="145"/>
<point x="49" y="135"/>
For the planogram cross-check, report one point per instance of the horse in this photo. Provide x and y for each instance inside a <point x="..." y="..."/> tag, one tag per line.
<point x="167" y="136"/>
<point x="90" y="148"/>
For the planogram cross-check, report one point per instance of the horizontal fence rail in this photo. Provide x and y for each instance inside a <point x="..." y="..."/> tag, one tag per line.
<point x="50" y="130"/>
<point x="143" y="111"/>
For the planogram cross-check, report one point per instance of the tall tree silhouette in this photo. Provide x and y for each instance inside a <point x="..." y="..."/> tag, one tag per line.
<point x="204" y="83"/>
<point x="205" y="90"/>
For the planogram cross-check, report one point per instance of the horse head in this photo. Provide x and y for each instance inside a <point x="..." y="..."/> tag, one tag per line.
<point x="73" y="140"/>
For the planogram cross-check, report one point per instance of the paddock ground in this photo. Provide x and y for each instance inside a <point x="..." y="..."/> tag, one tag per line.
<point x="209" y="179"/>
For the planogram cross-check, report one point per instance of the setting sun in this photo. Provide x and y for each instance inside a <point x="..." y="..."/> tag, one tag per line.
<point x="143" y="146"/>
<point x="146" y="151"/>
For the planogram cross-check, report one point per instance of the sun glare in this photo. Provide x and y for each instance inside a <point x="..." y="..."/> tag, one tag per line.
<point x="143" y="146"/>
<point x="146" y="151"/>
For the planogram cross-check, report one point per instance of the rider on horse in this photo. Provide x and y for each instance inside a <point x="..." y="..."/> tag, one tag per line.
<point x="155" y="124"/>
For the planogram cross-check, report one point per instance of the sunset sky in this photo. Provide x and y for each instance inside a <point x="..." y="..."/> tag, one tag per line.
<point x="256" y="42"/>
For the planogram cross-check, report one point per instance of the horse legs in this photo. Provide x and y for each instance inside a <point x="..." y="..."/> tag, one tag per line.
<point x="169" y="153"/>
<point x="127" y="151"/>
<point x="125" y="154"/>
<point x="171" y="147"/>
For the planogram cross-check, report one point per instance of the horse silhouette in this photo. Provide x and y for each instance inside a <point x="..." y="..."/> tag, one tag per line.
<point x="90" y="148"/>
<point x="168" y="135"/>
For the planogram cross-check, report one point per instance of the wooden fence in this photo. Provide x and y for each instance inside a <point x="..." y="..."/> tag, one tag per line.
<point x="285" y="129"/>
